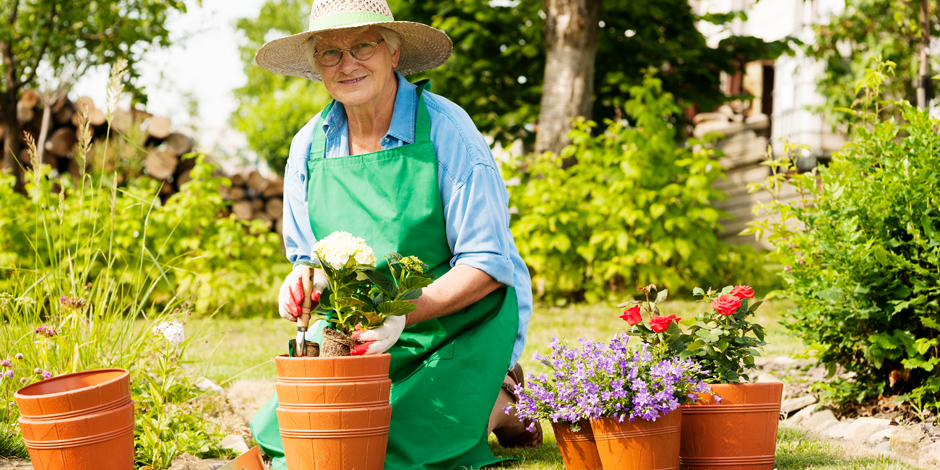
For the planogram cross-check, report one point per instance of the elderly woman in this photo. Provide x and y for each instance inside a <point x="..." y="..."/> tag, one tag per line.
<point x="408" y="171"/>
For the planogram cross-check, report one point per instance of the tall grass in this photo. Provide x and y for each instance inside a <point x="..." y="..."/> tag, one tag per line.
<point x="83" y="302"/>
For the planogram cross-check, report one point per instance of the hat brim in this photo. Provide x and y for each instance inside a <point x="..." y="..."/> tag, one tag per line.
<point x="422" y="48"/>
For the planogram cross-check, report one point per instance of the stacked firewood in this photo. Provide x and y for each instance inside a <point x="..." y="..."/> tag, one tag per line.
<point x="140" y="144"/>
<point x="257" y="198"/>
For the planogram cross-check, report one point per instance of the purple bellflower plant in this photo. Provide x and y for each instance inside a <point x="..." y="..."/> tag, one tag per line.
<point x="609" y="380"/>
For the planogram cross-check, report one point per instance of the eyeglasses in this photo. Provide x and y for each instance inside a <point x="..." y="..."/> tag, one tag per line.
<point x="361" y="51"/>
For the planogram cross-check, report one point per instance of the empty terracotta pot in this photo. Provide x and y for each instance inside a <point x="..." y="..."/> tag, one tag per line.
<point x="737" y="433"/>
<point x="82" y="421"/>
<point x="640" y="445"/>
<point x="333" y="412"/>
<point x="578" y="450"/>
<point x="250" y="460"/>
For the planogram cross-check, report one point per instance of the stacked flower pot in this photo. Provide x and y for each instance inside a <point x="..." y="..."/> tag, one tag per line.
<point x="79" y="421"/>
<point x="334" y="412"/>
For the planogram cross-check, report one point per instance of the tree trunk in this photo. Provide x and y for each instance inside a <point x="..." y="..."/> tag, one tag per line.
<point x="571" y="40"/>
<point x="11" y="132"/>
<point x="923" y="85"/>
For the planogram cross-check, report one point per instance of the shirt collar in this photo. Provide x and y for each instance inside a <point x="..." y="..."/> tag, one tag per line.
<point x="403" y="116"/>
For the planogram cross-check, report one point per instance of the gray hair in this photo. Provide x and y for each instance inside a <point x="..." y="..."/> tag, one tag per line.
<point x="391" y="38"/>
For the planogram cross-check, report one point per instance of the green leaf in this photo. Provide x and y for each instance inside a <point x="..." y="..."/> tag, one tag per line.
<point x="755" y="305"/>
<point x="698" y="291"/>
<point x="383" y="283"/>
<point x="930" y="322"/>
<point x="348" y="302"/>
<point x="661" y="296"/>
<point x="411" y="294"/>
<point x="395" y="307"/>
<point x="695" y="345"/>
<point x="656" y="210"/>
<point x="416" y="282"/>
<point x="677" y="345"/>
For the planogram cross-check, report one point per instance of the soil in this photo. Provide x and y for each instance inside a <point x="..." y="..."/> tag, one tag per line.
<point x="311" y="349"/>
<point x="336" y="344"/>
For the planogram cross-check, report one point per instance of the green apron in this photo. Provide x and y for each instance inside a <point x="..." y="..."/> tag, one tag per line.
<point x="446" y="373"/>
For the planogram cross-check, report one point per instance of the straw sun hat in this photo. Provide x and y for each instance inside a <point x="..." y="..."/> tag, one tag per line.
<point x="422" y="47"/>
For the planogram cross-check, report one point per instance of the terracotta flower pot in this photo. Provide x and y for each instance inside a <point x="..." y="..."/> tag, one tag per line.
<point x="640" y="445"/>
<point x="578" y="450"/>
<point x="739" y="433"/>
<point x="79" y="421"/>
<point x="333" y="412"/>
<point x="250" y="460"/>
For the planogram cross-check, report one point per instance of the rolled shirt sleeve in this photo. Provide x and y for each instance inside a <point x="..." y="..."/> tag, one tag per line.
<point x="478" y="224"/>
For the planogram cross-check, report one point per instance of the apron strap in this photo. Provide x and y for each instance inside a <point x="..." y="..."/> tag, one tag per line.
<point x="423" y="119"/>
<point x="318" y="147"/>
<point x="422" y="123"/>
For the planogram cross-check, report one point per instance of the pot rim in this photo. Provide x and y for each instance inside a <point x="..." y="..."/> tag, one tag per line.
<point x="24" y="393"/>
<point x="340" y="358"/>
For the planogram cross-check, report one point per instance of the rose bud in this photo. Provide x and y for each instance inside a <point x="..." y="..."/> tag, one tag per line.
<point x="632" y="315"/>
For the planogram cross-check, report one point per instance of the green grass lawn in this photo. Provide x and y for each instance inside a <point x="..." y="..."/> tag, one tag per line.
<point x="244" y="349"/>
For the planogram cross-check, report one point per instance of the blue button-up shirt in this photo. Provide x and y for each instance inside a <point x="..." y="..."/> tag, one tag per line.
<point x="474" y="196"/>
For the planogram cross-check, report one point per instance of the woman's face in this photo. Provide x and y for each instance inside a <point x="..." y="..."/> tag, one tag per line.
<point x="355" y="82"/>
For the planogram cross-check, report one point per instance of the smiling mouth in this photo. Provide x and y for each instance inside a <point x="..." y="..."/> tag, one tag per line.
<point x="352" y="81"/>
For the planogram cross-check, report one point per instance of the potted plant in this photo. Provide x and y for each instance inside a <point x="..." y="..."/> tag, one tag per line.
<point x="738" y="426"/>
<point x="628" y="396"/>
<point x="358" y="296"/>
<point x="334" y="408"/>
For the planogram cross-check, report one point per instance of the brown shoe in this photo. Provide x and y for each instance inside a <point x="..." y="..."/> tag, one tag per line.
<point x="523" y="438"/>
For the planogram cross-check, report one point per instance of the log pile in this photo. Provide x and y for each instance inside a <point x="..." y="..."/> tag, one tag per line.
<point x="141" y="144"/>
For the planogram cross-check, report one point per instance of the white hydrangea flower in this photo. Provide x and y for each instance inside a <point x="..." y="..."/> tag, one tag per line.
<point x="172" y="331"/>
<point x="340" y="248"/>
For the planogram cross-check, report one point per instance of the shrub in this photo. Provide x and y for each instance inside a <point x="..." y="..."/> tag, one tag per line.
<point x="94" y="224"/>
<point x="863" y="259"/>
<point x="633" y="209"/>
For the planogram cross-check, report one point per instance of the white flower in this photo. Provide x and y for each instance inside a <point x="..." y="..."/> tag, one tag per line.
<point x="172" y="331"/>
<point x="340" y="247"/>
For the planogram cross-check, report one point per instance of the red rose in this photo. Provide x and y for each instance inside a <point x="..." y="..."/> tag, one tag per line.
<point x="659" y="324"/>
<point x="726" y="304"/>
<point x="632" y="315"/>
<point x="743" y="292"/>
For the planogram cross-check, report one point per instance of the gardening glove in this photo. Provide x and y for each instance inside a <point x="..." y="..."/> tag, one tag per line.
<point x="299" y="294"/>
<point x="379" y="339"/>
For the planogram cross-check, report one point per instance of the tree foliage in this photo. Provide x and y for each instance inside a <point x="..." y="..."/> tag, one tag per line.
<point x="48" y="37"/>
<point x="273" y="107"/>
<point x="853" y="41"/>
<point x="498" y="66"/>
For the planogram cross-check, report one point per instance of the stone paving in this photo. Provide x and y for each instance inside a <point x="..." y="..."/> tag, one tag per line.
<point x="918" y="444"/>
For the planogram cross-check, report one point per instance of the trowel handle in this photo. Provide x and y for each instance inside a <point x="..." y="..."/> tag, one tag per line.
<point x="303" y="321"/>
